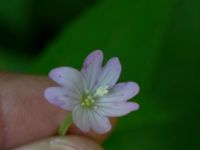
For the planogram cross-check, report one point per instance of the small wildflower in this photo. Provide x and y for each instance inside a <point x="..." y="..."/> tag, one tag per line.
<point x="92" y="93"/>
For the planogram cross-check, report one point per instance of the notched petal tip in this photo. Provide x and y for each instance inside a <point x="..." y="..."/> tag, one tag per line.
<point x="53" y="94"/>
<point x="48" y="95"/>
<point x="115" y="63"/>
<point x="133" y="106"/>
<point x="100" y="124"/>
<point x="110" y="73"/>
<point x="55" y="73"/>
<point x="134" y="87"/>
<point x="104" y="131"/>
<point x="98" y="51"/>
<point x="95" y="55"/>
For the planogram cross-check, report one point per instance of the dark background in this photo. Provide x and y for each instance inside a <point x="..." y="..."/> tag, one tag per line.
<point x="157" y="41"/>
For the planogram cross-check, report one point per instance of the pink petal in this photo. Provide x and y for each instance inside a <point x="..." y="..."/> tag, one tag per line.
<point x="69" y="78"/>
<point x="61" y="97"/>
<point x="110" y="73"/>
<point x="92" y="67"/>
<point x="117" y="109"/>
<point x="80" y="118"/>
<point x="99" y="123"/>
<point x="85" y="119"/>
<point x="121" y="92"/>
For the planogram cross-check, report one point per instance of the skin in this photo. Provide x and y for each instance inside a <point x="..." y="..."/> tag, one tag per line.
<point x="71" y="142"/>
<point x="25" y="116"/>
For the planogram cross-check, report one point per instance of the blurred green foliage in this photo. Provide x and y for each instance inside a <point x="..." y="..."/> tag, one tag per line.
<point x="158" y="43"/>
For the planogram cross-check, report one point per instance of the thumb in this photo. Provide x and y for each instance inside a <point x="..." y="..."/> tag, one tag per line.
<point x="71" y="142"/>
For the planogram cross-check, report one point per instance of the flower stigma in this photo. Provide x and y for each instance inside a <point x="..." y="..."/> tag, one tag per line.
<point x="87" y="102"/>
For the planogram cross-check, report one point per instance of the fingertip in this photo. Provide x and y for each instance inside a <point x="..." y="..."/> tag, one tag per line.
<point x="71" y="142"/>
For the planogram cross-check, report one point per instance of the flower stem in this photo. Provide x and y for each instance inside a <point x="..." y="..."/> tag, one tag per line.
<point x="65" y="125"/>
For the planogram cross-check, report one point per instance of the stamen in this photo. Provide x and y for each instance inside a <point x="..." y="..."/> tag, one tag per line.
<point x="101" y="91"/>
<point x="88" y="102"/>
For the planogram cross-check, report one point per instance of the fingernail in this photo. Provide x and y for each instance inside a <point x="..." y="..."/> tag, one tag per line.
<point x="62" y="143"/>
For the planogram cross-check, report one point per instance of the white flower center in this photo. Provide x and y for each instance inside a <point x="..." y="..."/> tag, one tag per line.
<point x="89" y="101"/>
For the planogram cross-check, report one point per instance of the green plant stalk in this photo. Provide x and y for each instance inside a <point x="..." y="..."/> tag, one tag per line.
<point x="65" y="125"/>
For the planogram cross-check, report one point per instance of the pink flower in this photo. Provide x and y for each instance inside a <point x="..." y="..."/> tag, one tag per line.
<point x="92" y="93"/>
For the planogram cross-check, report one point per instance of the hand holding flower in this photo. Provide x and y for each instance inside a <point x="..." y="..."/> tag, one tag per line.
<point x="25" y="115"/>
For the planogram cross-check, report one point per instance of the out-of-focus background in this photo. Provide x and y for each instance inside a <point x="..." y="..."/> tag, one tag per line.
<point x="157" y="41"/>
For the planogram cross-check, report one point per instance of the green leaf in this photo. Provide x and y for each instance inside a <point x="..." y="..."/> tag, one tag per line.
<point x="158" y="45"/>
<point x="13" y="61"/>
<point x="119" y="28"/>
